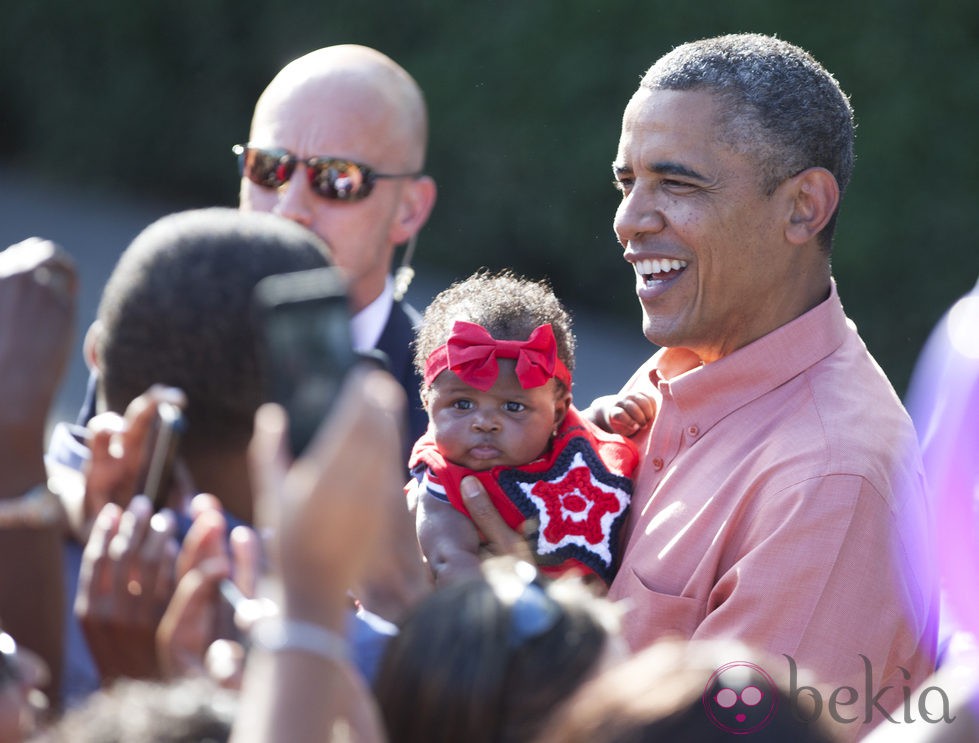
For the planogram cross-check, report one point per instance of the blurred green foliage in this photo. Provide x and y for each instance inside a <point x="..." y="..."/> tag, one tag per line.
<point x="147" y="98"/>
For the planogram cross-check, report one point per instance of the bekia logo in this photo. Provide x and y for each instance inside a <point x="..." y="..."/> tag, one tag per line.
<point x="742" y="698"/>
<point x="846" y="704"/>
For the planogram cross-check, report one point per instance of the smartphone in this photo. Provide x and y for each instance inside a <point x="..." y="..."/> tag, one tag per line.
<point x="165" y="441"/>
<point x="306" y="345"/>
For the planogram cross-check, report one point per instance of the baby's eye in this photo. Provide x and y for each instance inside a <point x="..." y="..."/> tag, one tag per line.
<point x="514" y="407"/>
<point x="462" y="404"/>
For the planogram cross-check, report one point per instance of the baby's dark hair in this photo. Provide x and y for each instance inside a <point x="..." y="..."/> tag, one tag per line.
<point x="510" y="307"/>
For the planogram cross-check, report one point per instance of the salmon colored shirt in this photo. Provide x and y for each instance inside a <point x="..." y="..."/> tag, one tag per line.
<point x="779" y="500"/>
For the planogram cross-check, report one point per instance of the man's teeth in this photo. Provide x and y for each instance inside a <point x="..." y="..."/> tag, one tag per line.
<point x="652" y="267"/>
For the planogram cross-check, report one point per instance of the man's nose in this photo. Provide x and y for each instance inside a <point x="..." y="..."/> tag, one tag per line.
<point x="295" y="199"/>
<point x="637" y="214"/>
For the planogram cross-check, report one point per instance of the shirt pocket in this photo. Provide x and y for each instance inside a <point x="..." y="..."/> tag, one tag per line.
<point x="651" y="615"/>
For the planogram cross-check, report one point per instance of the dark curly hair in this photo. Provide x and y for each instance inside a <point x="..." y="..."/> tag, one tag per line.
<point x="187" y="710"/>
<point x="510" y="307"/>
<point x="493" y="677"/>
<point x="177" y="311"/>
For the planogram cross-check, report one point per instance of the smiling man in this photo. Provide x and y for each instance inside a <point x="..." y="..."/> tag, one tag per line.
<point x="779" y="497"/>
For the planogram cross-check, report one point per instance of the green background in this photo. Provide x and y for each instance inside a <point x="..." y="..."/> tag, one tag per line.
<point x="146" y="98"/>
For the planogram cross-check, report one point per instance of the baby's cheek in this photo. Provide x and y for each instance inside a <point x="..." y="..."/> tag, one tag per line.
<point x="446" y="436"/>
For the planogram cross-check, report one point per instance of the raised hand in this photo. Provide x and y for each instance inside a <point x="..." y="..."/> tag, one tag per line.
<point x="125" y="582"/>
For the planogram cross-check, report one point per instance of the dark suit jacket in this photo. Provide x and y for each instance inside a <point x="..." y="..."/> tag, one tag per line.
<point x="395" y="342"/>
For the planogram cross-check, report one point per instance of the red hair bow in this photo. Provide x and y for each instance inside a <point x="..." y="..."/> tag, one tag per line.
<point x="471" y="352"/>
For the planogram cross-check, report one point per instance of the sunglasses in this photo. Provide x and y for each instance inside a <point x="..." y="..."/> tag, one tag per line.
<point x="332" y="178"/>
<point x="533" y="612"/>
<point x="532" y="615"/>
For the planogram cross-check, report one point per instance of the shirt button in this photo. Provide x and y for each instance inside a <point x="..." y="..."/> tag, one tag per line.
<point x="693" y="430"/>
<point x="657" y="463"/>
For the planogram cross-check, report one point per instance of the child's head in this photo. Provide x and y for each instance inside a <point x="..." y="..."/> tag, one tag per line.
<point x="177" y="311"/>
<point x="488" y="659"/>
<point x="495" y="408"/>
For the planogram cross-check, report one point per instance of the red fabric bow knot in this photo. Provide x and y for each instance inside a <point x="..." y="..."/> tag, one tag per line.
<point x="472" y="353"/>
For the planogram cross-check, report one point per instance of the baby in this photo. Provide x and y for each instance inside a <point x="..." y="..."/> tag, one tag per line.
<point x="496" y="354"/>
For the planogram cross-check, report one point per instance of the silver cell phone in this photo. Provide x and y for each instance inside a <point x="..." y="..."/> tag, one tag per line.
<point x="306" y="346"/>
<point x="167" y="430"/>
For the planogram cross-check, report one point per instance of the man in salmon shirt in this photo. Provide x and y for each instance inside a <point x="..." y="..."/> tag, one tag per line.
<point x="779" y="498"/>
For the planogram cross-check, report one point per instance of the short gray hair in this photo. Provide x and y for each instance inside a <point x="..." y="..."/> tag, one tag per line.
<point x="776" y="102"/>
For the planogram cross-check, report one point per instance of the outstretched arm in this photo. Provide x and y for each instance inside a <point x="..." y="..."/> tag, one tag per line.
<point x="196" y="635"/>
<point x="124" y="584"/>
<point x="38" y="291"/>
<point x="327" y="514"/>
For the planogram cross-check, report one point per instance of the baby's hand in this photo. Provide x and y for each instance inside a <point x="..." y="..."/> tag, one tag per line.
<point x="625" y="414"/>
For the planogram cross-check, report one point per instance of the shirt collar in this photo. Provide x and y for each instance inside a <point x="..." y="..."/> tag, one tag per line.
<point x="709" y="392"/>
<point x="368" y="324"/>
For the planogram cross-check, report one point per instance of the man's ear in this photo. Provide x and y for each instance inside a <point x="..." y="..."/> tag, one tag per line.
<point x="814" y="195"/>
<point x="417" y="201"/>
<point x="90" y="345"/>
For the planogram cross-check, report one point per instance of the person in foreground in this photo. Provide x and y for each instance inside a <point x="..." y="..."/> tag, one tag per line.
<point x="779" y="496"/>
<point x="38" y="306"/>
<point x="682" y="691"/>
<point x="943" y="400"/>
<point x="511" y="646"/>
<point x="327" y="515"/>
<point x="337" y="144"/>
<point x="513" y="637"/>
<point x="496" y="353"/>
<point x="179" y="311"/>
<point x="176" y="311"/>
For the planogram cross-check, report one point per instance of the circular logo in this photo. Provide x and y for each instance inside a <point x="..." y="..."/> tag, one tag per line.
<point x="740" y="698"/>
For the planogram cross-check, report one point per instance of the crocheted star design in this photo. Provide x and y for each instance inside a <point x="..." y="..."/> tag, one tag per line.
<point x="579" y="503"/>
<point x="574" y="505"/>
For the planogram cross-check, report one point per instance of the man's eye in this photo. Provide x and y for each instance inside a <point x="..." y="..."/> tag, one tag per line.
<point x="622" y="184"/>
<point x="678" y="186"/>
<point x="514" y="407"/>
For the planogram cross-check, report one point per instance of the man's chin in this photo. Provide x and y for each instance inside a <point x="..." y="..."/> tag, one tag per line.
<point x="654" y="332"/>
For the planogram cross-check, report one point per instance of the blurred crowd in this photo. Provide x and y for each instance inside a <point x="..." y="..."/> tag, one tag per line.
<point x="453" y="549"/>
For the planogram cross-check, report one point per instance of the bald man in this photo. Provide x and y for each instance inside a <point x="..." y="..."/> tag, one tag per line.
<point x="337" y="144"/>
